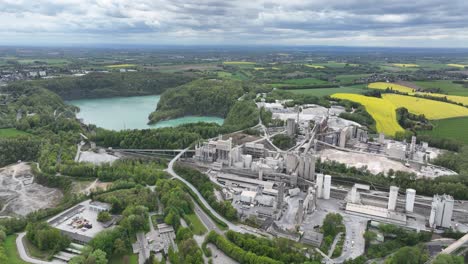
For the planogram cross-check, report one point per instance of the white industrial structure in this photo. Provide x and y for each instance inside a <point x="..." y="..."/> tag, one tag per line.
<point x="291" y="127"/>
<point x="410" y="197"/>
<point x="441" y="211"/>
<point x="326" y="187"/>
<point x="392" y="198"/>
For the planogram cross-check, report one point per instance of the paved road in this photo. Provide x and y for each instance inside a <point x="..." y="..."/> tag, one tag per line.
<point x="335" y="241"/>
<point x="144" y="252"/>
<point x="206" y="220"/>
<point x="354" y="241"/>
<point x="170" y="170"/>
<point x="24" y="256"/>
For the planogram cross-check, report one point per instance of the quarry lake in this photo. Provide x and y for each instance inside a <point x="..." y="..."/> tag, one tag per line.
<point x="119" y="113"/>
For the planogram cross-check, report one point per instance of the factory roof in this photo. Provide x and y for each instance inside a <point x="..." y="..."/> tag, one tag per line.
<point x="232" y="177"/>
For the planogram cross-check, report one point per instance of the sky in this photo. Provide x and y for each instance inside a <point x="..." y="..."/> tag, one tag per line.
<point x="386" y="23"/>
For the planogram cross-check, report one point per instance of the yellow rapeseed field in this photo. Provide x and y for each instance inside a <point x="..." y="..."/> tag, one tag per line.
<point x="404" y="89"/>
<point x="382" y="111"/>
<point x="393" y="86"/>
<point x="430" y="108"/>
<point x="405" y="65"/>
<point x="121" y="66"/>
<point x="457" y="65"/>
<point x="314" y="66"/>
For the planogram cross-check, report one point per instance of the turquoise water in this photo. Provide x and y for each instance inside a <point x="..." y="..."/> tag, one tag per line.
<point x="119" y="113"/>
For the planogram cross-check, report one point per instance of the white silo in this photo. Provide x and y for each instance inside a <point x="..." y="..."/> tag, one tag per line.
<point x="326" y="187"/>
<point x="410" y="197"/>
<point x="392" y="198"/>
<point x="319" y="185"/>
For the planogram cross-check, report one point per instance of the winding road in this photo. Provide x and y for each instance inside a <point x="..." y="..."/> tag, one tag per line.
<point x="170" y="170"/>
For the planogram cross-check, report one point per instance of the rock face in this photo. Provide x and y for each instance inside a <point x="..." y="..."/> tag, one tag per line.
<point x="19" y="195"/>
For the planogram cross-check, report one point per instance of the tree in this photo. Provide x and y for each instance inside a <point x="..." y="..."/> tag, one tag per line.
<point x="99" y="257"/>
<point x="408" y="255"/>
<point x="104" y="216"/>
<point x="119" y="247"/>
<point x="448" y="259"/>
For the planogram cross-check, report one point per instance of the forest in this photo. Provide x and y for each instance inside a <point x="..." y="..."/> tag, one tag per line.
<point x="112" y="84"/>
<point x="200" y="97"/>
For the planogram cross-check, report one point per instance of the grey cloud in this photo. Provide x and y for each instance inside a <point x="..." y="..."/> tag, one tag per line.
<point x="241" y="21"/>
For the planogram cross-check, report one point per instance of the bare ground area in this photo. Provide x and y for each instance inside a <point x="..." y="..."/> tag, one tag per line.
<point x="19" y="195"/>
<point x="374" y="164"/>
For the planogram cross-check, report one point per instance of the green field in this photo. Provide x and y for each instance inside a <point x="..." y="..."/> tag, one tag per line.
<point x="11" y="132"/>
<point x="356" y="89"/>
<point x="196" y="225"/>
<point x="348" y="78"/>
<point x="11" y="252"/>
<point x="454" y="128"/>
<point x="223" y="74"/>
<point x="304" y="81"/>
<point x="445" y="85"/>
<point x="47" y="61"/>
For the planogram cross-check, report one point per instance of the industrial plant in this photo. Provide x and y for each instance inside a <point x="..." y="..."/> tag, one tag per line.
<point x="287" y="196"/>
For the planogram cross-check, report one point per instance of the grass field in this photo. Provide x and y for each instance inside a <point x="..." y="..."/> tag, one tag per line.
<point x="11" y="132"/>
<point x="406" y="65"/>
<point x="239" y="63"/>
<point x="47" y="61"/>
<point x="196" y="225"/>
<point x="121" y="66"/>
<point x="462" y="66"/>
<point x="430" y="108"/>
<point x="381" y="110"/>
<point x="259" y="68"/>
<point x="224" y="74"/>
<point x="11" y="252"/>
<point x="348" y="78"/>
<point x="454" y="128"/>
<point x="446" y="86"/>
<point x="305" y="81"/>
<point x="355" y="89"/>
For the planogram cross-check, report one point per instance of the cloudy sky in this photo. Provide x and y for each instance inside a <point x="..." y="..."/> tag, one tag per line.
<point x="417" y="23"/>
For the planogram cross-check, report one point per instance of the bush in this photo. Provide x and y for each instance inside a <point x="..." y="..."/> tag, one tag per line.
<point x="104" y="216"/>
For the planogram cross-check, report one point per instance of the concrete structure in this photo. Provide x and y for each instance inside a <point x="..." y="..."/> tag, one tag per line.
<point x="310" y="202"/>
<point x="410" y="197"/>
<point x="319" y="184"/>
<point x="441" y="211"/>
<point x="80" y="223"/>
<point x="214" y="151"/>
<point x="392" y="198"/>
<point x="99" y="207"/>
<point x="248" y="196"/>
<point x="280" y="197"/>
<point x="312" y="238"/>
<point x="300" y="212"/>
<point x="294" y="192"/>
<point x="326" y="187"/>
<point x="291" y="127"/>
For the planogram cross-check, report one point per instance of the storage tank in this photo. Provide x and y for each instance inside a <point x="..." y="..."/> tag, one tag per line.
<point x="410" y="197"/>
<point x="247" y="161"/>
<point x="319" y="185"/>
<point x="392" y="198"/>
<point x="326" y="187"/>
